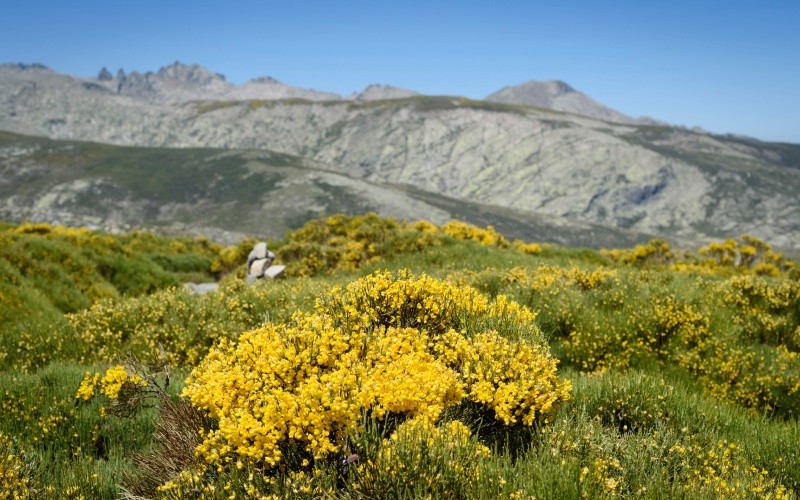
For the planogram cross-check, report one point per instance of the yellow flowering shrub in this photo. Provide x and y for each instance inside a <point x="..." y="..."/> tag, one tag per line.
<point x="123" y="389"/>
<point x="766" y="311"/>
<point x="656" y="251"/>
<point x="424" y="226"/>
<point x="463" y="231"/>
<point x="516" y="380"/>
<point x="347" y="243"/>
<point x="384" y="345"/>
<point x="528" y="248"/>
<point x="424" y="459"/>
<point x="428" y="304"/>
<point x="172" y="323"/>
<point x="750" y="255"/>
<point x="116" y="380"/>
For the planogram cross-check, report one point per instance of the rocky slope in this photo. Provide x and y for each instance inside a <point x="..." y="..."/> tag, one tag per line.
<point x="650" y="179"/>
<point x="226" y="195"/>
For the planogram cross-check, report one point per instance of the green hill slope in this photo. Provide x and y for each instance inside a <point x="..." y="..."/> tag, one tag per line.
<point x="228" y="195"/>
<point x="397" y="360"/>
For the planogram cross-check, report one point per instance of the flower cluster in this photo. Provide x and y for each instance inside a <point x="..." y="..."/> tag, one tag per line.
<point x="115" y="381"/>
<point x="384" y="345"/>
<point x="13" y="480"/>
<point x="179" y="326"/>
<point x="708" y="467"/>
<point x="750" y="254"/>
<point x="348" y="243"/>
<point x="656" y="251"/>
<point x="464" y="231"/>
<point x="528" y="248"/>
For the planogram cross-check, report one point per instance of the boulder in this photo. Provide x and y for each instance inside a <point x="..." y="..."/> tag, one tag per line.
<point x="257" y="267"/>
<point x="259" y="251"/>
<point x="273" y="272"/>
<point x="259" y="264"/>
<point x="202" y="288"/>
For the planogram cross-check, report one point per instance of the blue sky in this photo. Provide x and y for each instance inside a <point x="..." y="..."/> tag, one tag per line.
<point x="726" y="66"/>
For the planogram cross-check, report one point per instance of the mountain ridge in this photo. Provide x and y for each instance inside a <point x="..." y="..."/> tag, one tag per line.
<point x="648" y="179"/>
<point x="180" y="83"/>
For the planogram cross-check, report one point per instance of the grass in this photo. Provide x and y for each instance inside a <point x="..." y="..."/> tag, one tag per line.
<point x="214" y="105"/>
<point x="684" y="371"/>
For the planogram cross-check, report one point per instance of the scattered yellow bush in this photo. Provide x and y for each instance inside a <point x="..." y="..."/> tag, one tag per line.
<point x="115" y="380"/>
<point x="528" y="248"/>
<point x="385" y="344"/>
<point x="464" y="231"/>
<point x="656" y="251"/>
<point x="750" y="254"/>
<point x="348" y="243"/>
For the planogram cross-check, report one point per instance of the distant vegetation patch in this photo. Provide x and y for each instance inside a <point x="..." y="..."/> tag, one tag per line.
<point x="215" y="105"/>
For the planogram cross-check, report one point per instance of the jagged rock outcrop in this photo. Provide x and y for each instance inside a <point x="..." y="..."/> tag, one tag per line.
<point x="104" y="75"/>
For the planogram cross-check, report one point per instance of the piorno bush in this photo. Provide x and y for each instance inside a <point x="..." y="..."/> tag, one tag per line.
<point x="387" y="344"/>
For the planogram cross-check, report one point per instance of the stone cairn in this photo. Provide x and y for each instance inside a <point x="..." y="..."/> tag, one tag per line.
<point x="259" y="264"/>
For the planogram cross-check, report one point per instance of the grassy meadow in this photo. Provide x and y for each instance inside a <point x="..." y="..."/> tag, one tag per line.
<point x="395" y="360"/>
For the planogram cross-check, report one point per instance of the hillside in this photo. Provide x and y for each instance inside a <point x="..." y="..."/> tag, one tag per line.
<point x="396" y="361"/>
<point x="648" y="179"/>
<point x="227" y="195"/>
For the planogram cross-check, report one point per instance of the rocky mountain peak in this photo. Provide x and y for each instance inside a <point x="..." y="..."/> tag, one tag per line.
<point x="377" y="92"/>
<point x="558" y="86"/>
<point x="557" y="95"/>
<point x="192" y="73"/>
<point x="265" y="80"/>
<point x="25" y="67"/>
<point x="533" y="93"/>
<point x="104" y="75"/>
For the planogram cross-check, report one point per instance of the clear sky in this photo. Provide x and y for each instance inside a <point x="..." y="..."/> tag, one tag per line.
<point x="728" y="66"/>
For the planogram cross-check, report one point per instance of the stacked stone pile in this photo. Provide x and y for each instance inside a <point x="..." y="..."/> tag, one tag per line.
<point x="259" y="264"/>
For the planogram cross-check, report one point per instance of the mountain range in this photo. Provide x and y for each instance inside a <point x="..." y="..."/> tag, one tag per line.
<point x="540" y="151"/>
